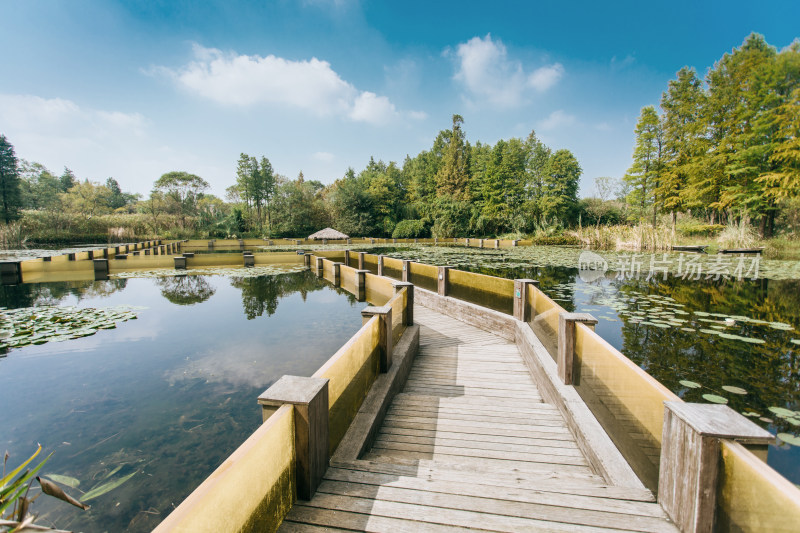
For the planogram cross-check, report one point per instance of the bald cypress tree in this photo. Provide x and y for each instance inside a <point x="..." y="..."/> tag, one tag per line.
<point x="452" y="179"/>
<point x="9" y="182"/>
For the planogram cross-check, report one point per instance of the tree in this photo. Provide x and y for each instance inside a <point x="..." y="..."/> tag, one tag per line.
<point x="452" y="178"/>
<point x="535" y="169"/>
<point x="67" y="180"/>
<point x="560" y="197"/>
<point x="181" y="191"/>
<point x="9" y="181"/>
<point x="683" y="146"/>
<point x="87" y="199"/>
<point x="648" y="163"/>
<point x="39" y="188"/>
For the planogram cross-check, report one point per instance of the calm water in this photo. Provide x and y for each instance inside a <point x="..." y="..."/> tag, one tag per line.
<point x="165" y="397"/>
<point x="672" y="327"/>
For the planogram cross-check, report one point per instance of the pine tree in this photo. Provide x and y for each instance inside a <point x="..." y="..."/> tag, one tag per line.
<point x="452" y="179"/>
<point x="648" y="163"/>
<point x="9" y="181"/>
<point x="684" y="145"/>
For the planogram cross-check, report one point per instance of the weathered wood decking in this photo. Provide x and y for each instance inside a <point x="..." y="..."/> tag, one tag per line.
<point x="470" y="445"/>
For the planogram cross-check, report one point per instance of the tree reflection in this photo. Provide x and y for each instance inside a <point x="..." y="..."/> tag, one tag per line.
<point x="261" y="294"/>
<point x="53" y="293"/>
<point x="186" y="289"/>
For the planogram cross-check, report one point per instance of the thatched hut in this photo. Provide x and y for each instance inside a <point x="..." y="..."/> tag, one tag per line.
<point x="328" y="233"/>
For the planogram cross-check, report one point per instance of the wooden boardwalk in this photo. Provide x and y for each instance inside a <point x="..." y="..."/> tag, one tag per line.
<point x="470" y="445"/>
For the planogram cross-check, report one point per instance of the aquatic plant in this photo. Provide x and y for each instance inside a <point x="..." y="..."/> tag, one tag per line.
<point x="38" y="325"/>
<point x="15" y="502"/>
<point x="12" y="235"/>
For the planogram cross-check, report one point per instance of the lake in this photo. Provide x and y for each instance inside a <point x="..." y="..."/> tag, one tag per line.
<point x="157" y="403"/>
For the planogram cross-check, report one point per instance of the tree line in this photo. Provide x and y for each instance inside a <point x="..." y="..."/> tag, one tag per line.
<point x="726" y="148"/>
<point x="455" y="189"/>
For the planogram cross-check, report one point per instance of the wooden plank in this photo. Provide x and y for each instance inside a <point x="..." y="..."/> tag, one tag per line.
<point x="383" y="445"/>
<point x="539" y="445"/>
<point x="546" y="495"/>
<point x="364" y="522"/>
<point x="480" y="464"/>
<point x="475" y="416"/>
<point x="477" y="438"/>
<point x="439" y="515"/>
<point x="493" y="506"/>
<point x="477" y="410"/>
<point x="521" y="480"/>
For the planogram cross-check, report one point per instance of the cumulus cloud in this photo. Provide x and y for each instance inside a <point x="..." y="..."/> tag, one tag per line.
<point x="26" y="114"/>
<point x="487" y="72"/>
<point x="555" y="120"/>
<point x="244" y="80"/>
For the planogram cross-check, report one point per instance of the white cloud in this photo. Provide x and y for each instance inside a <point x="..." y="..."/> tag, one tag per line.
<point x="489" y="74"/>
<point x="555" y="120"/>
<point x="311" y="85"/>
<point x="369" y="107"/>
<point x="417" y="115"/>
<point x="325" y="157"/>
<point x="25" y="114"/>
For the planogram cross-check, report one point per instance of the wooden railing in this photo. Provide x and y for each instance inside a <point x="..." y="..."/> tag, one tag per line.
<point x="305" y="418"/>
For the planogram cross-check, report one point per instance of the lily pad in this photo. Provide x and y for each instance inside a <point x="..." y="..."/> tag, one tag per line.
<point x="788" y="438"/>
<point x="690" y="384"/>
<point x="713" y="398"/>
<point x="782" y="412"/>
<point x="734" y="390"/>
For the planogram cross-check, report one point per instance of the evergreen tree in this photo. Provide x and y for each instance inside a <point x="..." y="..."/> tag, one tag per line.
<point x="683" y="140"/>
<point x="9" y="181"/>
<point x="560" y="197"/>
<point x="643" y="175"/>
<point x="452" y="178"/>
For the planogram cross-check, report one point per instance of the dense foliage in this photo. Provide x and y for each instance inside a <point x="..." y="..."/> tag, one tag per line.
<point x="726" y="147"/>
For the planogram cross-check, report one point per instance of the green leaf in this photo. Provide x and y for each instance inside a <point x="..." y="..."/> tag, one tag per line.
<point x="734" y="390"/>
<point x="64" y="480"/>
<point x="713" y="398"/>
<point x="788" y="438"/>
<point x="690" y="384"/>
<point x="106" y="487"/>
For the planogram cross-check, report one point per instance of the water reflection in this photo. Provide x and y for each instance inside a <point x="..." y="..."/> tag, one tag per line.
<point x="185" y="289"/>
<point x="166" y="397"/>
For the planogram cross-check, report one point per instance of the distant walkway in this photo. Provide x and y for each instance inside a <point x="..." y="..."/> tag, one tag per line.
<point x="470" y="445"/>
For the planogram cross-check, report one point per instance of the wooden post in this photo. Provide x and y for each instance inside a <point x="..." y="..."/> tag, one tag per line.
<point x="361" y="284"/>
<point x="480" y="243"/>
<point x="100" y="269"/>
<point x="690" y="458"/>
<point x="307" y="260"/>
<point x="394" y="241"/>
<point x="136" y="252"/>
<point x="324" y="241"/>
<point x="406" y="269"/>
<point x="408" y="318"/>
<point x="249" y="260"/>
<point x="319" y="265"/>
<point x="521" y="298"/>
<point x="10" y="272"/>
<point x="435" y="241"/>
<point x="337" y="274"/>
<point x="514" y="243"/>
<point x="211" y="245"/>
<point x="146" y="252"/>
<point x="384" y="314"/>
<point x="347" y="257"/>
<point x="380" y="265"/>
<point x="361" y="260"/>
<point x="188" y="254"/>
<point x="372" y="241"/>
<point x="416" y="240"/>
<point x="466" y="243"/>
<point x="497" y="243"/>
<point x="444" y="275"/>
<point x="309" y="396"/>
<point x="121" y="257"/>
<point x="180" y="262"/>
<point x="566" y="343"/>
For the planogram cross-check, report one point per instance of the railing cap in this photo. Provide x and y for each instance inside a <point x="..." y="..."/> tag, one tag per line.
<point x="292" y="389"/>
<point x="713" y="420"/>
<point x="585" y="318"/>
<point x="402" y="284"/>
<point x="375" y="310"/>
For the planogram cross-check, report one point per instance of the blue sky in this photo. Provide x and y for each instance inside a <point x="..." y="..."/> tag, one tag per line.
<point x="134" y="89"/>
